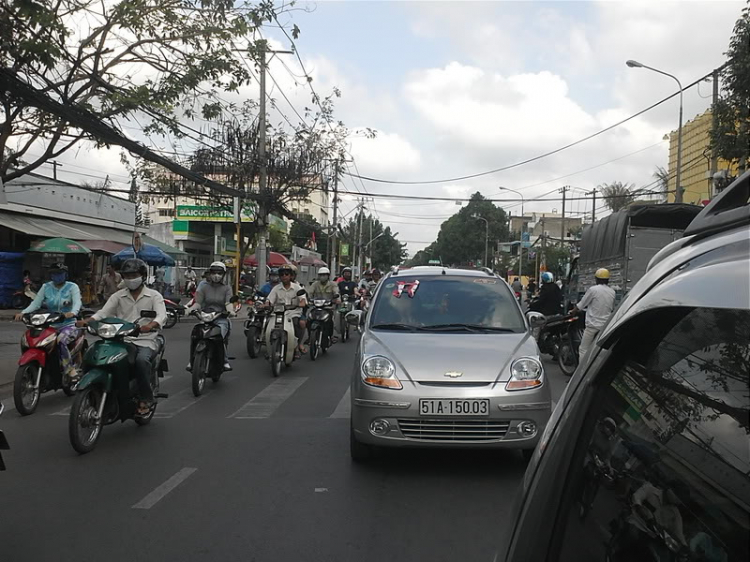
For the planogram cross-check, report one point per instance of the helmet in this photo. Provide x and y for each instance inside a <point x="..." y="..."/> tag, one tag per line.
<point x="134" y="265"/>
<point x="218" y="266"/>
<point x="602" y="273"/>
<point x="547" y="277"/>
<point x="375" y="272"/>
<point x="59" y="266"/>
<point x="324" y="271"/>
<point x="274" y="271"/>
<point x="368" y="273"/>
<point x="610" y="424"/>
<point x="286" y="268"/>
<point x="347" y="268"/>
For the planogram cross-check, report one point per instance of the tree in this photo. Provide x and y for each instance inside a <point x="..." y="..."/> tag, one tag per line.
<point x="301" y="234"/>
<point x="661" y="175"/>
<point x="385" y="249"/>
<point x="278" y="240"/>
<point x="462" y="238"/>
<point x="617" y="195"/>
<point x="158" y="61"/>
<point x="730" y="136"/>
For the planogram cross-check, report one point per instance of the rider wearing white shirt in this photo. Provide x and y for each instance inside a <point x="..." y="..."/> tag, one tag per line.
<point x="598" y="302"/>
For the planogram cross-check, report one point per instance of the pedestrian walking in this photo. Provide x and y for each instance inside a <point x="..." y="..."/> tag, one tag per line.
<point x="598" y="302"/>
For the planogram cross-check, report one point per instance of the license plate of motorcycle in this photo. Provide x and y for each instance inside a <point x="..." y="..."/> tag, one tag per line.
<point x="454" y="407"/>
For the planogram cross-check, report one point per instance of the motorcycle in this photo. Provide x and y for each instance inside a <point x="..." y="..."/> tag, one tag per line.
<point x="208" y="347"/>
<point x="255" y="326"/>
<point x="39" y="368"/>
<point x="570" y="341"/>
<point x="4" y="445"/>
<point x="549" y="336"/>
<point x="107" y="391"/>
<point x="320" y="326"/>
<point x="281" y="341"/>
<point x="22" y="298"/>
<point x="190" y="288"/>
<point x="346" y="307"/>
<point x="175" y="311"/>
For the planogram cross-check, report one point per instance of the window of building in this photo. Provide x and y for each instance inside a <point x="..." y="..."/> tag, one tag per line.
<point x="663" y="469"/>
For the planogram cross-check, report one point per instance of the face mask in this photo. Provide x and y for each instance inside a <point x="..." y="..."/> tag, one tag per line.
<point x="58" y="278"/>
<point x="215" y="277"/>
<point x="133" y="284"/>
<point x="324" y="279"/>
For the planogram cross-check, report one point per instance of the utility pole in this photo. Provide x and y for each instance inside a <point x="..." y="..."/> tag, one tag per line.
<point x="359" y="237"/>
<point x="55" y="164"/>
<point x="593" y="209"/>
<point x="562" y="223"/>
<point x="334" y="236"/>
<point x="263" y="179"/>
<point x="715" y="119"/>
<point x="369" y="246"/>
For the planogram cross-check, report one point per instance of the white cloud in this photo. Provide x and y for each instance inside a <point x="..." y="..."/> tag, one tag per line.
<point x="386" y="154"/>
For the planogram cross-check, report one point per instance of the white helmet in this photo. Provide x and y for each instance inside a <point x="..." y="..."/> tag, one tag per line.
<point x="324" y="271"/>
<point x="218" y="265"/>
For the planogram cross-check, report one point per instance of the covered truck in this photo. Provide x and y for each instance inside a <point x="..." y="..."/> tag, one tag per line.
<point x="624" y="243"/>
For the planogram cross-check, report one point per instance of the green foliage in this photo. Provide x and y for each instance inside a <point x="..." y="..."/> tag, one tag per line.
<point x="151" y="61"/>
<point x="385" y="250"/>
<point x="730" y="136"/>
<point x="278" y="240"/>
<point x="617" y="195"/>
<point x="462" y="238"/>
<point x="301" y="233"/>
<point x="661" y="175"/>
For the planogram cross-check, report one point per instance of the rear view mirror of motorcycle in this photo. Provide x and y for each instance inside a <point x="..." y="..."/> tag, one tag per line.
<point x="336" y="297"/>
<point x="301" y="293"/>
<point x="354" y="317"/>
<point x="86" y="313"/>
<point x="148" y="314"/>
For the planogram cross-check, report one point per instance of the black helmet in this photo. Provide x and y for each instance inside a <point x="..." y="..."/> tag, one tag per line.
<point x="134" y="265"/>
<point x="59" y="266"/>
<point x="375" y="272"/>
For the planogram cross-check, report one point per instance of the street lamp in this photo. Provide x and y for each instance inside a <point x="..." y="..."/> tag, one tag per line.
<point x="678" y="175"/>
<point x="486" y="234"/>
<point x="520" y="250"/>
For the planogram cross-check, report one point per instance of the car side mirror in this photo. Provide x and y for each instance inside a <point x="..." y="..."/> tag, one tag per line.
<point x="354" y="317"/>
<point x="536" y="319"/>
<point x="148" y="314"/>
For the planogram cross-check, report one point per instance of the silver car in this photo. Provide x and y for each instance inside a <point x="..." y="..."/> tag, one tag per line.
<point x="446" y="359"/>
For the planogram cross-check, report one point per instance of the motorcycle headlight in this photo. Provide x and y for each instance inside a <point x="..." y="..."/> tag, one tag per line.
<point x="526" y="373"/>
<point x="207" y="316"/>
<point x="319" y="302"/>
<point x="108" y="330"/>
<point x="38" y="319"/>
<point x="381" y="372"/>
<point x="117" y="357"/>
<point x="50" y="339"/>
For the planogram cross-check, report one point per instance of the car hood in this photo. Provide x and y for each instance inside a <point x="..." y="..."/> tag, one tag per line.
<point x="424" y="357"/>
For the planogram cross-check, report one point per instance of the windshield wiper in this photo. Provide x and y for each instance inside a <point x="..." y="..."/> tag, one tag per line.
<point x="468" y="327"/>
<point x="395" y="326"/>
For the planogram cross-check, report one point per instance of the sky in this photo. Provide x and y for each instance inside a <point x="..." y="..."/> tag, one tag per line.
<point x="456" y="88"/>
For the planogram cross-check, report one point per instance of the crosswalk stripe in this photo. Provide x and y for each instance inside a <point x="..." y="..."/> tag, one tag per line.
<point x="178" y="402"/>
<point x="266" y="401"/>
<point x="344" y="408"/>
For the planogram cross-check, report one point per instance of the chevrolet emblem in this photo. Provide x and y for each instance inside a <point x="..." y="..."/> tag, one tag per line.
<point x="453" y="374"/>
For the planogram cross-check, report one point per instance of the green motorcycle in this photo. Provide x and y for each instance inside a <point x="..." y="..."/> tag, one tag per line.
<point x="107" y="391"/>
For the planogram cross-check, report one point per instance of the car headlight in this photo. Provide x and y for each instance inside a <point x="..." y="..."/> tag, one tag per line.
<point x="47" y="341"/>
<point x="526" y="373"/>
<point x="108" y="330"/>
<point x="381" y="372"/>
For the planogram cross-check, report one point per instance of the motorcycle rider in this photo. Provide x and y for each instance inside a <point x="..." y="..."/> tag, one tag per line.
<point x="217" y="293"/>
<point x="273" y="280"/>
<point x="127" y="304"/>
<point x="365" y="282"/>
<point x="550" y="298"/>
<point x="59" y="295"/>
<point x="286" y="293"/>
<point x="190" y="278"/>
<point x="323" y="288"/>
<point x="346" y="285"/>
<point x="599" y="303"/>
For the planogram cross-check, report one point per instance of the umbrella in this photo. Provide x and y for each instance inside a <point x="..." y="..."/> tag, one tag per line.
<point x="275" y="259"/>
<point x="59" y="246"/>
<point x="152" y="255"/>
<point x="312" y="260"/>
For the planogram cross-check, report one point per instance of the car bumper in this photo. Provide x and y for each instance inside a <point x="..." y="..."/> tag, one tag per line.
<point x="405" y="427"/>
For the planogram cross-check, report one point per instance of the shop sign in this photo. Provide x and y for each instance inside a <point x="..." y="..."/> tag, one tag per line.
<point x="213" y="214"/>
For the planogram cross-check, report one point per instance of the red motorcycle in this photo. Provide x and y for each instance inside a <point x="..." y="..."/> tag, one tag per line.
<point x="39" y="368"/>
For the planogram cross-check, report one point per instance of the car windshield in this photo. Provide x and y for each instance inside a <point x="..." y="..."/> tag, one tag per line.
<point x="446" y="303"/>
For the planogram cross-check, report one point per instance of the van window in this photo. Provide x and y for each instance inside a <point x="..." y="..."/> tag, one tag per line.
<point x="665" y="474"/>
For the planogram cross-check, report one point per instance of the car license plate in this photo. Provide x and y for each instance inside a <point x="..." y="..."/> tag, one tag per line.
<point x="450" y="407"/>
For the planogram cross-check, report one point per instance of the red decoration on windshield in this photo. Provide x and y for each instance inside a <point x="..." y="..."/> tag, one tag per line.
<point x="410" y="288"/>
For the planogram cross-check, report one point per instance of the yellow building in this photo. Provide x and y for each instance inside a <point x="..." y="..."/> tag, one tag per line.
<point x="696" y="161"/>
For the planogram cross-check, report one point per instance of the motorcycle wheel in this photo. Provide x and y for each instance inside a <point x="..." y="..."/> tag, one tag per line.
<point x="199" y="372"/>
<point x="253" y="345"/>
<point x="566" y="358"/>
<point x="314" y="348"/>
<point x="83" y="427"/>
<point x="171" y="320"/>
<point x="25" y="397"/>
<point x="277" y="358"/>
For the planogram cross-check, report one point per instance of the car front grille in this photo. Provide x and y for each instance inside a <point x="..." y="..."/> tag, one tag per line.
<point x="458" y="430"/>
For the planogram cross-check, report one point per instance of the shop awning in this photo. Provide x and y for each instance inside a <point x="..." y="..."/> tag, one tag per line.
<point x="54" y="228"/>
<point x="102" y="246"/>
<point x="166" y="248"/>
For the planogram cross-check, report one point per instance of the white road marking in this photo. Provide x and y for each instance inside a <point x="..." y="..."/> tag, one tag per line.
<point x="160" y="491"/>
<point x="321" y="490"/>
<point x="63" y="412"/>
<point x="178" y="402"/>
<point x="344" y="408"/>
<point x="266" y="401"/>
